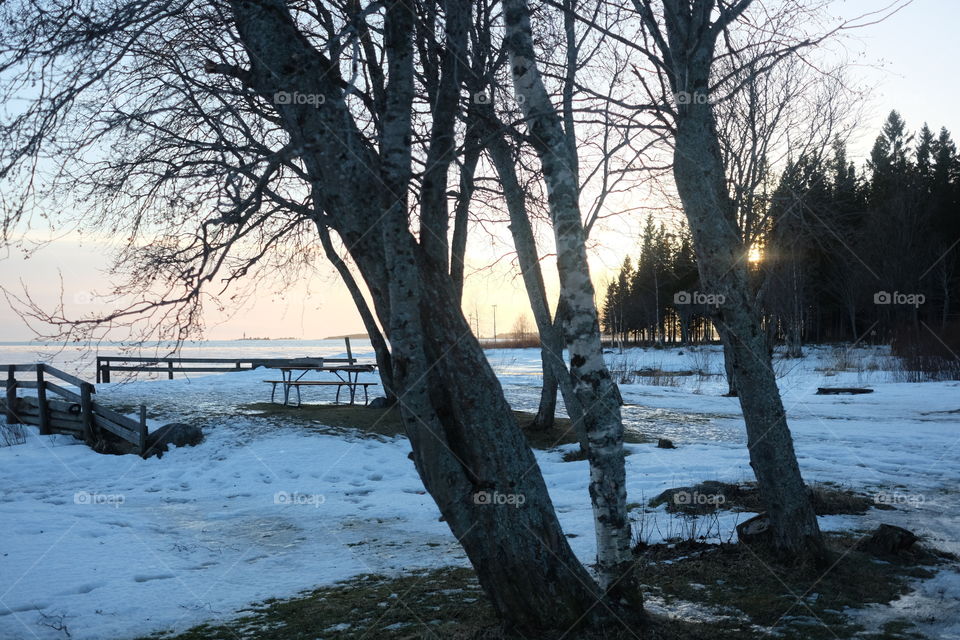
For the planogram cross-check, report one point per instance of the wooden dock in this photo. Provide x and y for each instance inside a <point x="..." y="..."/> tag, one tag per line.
<point x="68" y="411"/>
<point x="172" y="365"/>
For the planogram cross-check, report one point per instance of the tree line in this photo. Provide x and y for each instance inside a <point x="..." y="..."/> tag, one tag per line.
<point x="844" y="255"/>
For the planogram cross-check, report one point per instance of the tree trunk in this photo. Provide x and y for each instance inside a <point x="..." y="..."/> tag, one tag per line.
<point x="380" y="348"/>
<point x="592" y="383"/>
<point x="467" y="446"/>
<point x="687" y="52"/>
<point x="550" y="330"/>
<point x="461" y="215"/>
<point x="699" y="175"/>
<point x="728" y="368"/>
<point x="547" y="411"/>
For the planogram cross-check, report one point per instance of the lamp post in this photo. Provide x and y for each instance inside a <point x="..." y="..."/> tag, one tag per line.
<point x="494" y="323"/>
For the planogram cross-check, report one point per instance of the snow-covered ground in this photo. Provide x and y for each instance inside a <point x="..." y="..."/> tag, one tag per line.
<point x="115" y="546"/>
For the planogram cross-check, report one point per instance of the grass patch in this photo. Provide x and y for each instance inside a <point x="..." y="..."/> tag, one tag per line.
<point x="789" y="601"/>
<point x="749" y="596"/>
<point x="711" y="495"/>
<point x="328" y="418"/>
<point x="444" y="603"/>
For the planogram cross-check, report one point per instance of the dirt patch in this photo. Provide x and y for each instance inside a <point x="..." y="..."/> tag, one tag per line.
<point x="787" y="600"/>
<point x="744" y="595"/>
<point x="332" y="418"/>
<point x="444" y="603"/>
<point x="711" y="495"/>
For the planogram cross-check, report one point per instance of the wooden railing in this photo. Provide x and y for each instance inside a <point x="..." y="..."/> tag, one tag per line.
<point x="74" y="412"/>
<point x="171" y="365"/>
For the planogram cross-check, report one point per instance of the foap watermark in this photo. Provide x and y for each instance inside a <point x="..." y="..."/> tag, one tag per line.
<point x="100" y="499"/>
<point x="295" y="97"/>
<point x="482" y="97"/>
<point x="911" y="299"/>
<point x="686" y="97"/>
<point x="698" y="297"/>
<point x="496" y="498"/>
<point x="897" y="499"/>
<point x="299" y="499"/>
<point x="82" y="297"/>
<point x="697" y="499"/>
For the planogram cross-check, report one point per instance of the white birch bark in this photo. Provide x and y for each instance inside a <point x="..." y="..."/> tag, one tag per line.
<point x="592" y="383"/>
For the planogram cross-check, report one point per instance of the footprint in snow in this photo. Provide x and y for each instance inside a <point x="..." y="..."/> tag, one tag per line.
<point x="85" y="588"/>
<point x="147" y="577"/>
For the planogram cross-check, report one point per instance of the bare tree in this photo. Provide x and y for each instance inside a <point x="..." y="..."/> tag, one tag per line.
<point x="681" y="42"/>
<point x="223" y="133"/>
<point x="593" y="385"/>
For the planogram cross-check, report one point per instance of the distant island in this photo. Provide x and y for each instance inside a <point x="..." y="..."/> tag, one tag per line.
<point x="358" y="336"/>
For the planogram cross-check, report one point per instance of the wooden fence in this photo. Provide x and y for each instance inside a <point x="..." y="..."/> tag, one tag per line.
<point x="71" y="412"/>
<point x="171" y="365"/>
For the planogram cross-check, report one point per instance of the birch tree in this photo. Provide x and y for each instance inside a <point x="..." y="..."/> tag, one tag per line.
<point x="198" y="99"/>
<point x="593" y="385"/>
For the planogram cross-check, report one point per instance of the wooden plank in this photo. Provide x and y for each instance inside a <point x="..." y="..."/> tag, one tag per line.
<point x="159" y="369"/>
<point x="21" y="367"/>
<point x="86" y="410"/>
<point x="143" y="429"/>
<point x="59" y="406"/>
<point x="116" y="429"/>
<point x="44" y="409"/>
<point x="825" y="391"/>
<point x="115" y="417"/>
<point x="27" y="384"/>
<point x="69" y="426"/>
<point x="64" y="393"/>
<point x="56" y="373"/>
<point x="11" y="396"/>
<point x="230" y="361"/>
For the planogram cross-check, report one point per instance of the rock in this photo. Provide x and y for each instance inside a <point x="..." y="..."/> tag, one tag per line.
<point x="176" y="434"/>
<point x="379" y="403"/>
<point x="112" y="444"/>
<point x="664" y="443"/>
<point x="889" y="540"/>
<point x="756" y="530"/>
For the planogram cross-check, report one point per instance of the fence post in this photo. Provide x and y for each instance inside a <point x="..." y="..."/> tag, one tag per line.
<point x="349" y="352"/>
<point x="42" y="400"/>
<point x="170" y="370"/>
<point x="105" y="377"/>
<point x="143" y="429"/>
<point x="11" y="396"/>
<point x="86" y="411"/>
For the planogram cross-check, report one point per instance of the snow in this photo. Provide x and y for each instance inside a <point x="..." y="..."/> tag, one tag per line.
<point x="117" y="547"/>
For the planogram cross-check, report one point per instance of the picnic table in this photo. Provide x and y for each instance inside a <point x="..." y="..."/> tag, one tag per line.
<point x="348" y="375"/>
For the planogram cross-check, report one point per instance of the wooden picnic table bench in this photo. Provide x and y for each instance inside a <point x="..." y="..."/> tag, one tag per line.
<point x="339" y="384"/>
<point x="351" y="381"/>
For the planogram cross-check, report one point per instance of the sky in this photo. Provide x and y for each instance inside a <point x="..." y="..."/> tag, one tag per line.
<point x="909" y="60"/>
